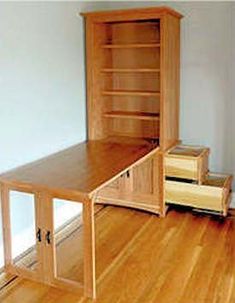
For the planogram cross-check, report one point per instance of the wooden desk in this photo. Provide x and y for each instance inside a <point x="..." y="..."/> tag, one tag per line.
<point x="75" y="174"/>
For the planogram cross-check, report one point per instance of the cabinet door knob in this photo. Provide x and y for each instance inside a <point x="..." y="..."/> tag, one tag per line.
<point x="39" y="235"/>
<point x="48" y="237"/>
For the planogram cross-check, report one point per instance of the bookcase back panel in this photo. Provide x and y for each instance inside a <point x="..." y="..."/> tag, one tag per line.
<point x="127" y="103"/>
<point x="133" y="57"/>
<point x="134" y="32"/>
<point x="133" y="128"/>
<point x="128" y="78"/>
<point x="132" y="82"/>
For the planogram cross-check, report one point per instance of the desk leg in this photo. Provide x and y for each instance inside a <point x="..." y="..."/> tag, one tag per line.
<point x="5" y="207"/>
<point x="89" y="249"/>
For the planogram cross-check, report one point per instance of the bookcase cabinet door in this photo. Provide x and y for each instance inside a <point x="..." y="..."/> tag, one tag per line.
<point x="48" y="239"/>
<point x="22" y="233"/>
<point x="68" y="233"/>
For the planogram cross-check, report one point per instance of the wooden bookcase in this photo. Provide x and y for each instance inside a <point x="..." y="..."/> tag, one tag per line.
<point x="133" y="74"/>
<point x="132" y="59"/>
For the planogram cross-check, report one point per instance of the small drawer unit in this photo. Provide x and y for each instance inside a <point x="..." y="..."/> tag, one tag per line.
<point x="214" y="194"/>
<point x="187" y="162"/>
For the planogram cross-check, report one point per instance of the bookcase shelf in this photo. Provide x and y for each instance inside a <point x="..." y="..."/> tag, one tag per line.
<point x="132" y="115"/>
<point x="132" y="45"/>
<point x="130" y="93"/>
<point x="130" y="70"/>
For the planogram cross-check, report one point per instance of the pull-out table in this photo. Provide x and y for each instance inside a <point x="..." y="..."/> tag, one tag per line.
<point x="75" y="174"/>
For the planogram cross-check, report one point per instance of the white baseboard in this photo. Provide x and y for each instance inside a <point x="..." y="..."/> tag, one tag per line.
<point x="232" y="205"/>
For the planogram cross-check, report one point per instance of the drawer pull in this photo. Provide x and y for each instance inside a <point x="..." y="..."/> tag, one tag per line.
<point x="39" y="235"/>
<point x="48" y="237"/>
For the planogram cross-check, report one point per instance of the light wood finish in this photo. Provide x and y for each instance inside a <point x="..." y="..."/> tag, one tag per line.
<point x="132" y="14"/>
<point x="187" y="162"/>
<point x="15" y="266"/>
<point x="6" y="225"/>
<point x="170" y="77"/>
<point x="5" y="279"/>
<point x="132" y="115"/>
<point x="76" y="174"/>
<point x="213" y="194"/>
<point x="158" y="182"/>
<point x="45" y="214"/>
<point x="130" y="93"/>
<point x="133" y="45"/>
<point x="45" y="256"/>
<point x="142" y="258"/>
<point x="141" y="187"/>
<point x="134" y="128"/>
<point x="130" y="70"/>
<point x="89" y="251"/>
<point x="80" y="170"/>
<point x="137" y="54"/>
<point x="41" y="214"/>
<point x="137" y="201"/>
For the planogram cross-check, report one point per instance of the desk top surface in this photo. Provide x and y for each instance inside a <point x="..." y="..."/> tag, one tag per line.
<point x="82" y="168"/>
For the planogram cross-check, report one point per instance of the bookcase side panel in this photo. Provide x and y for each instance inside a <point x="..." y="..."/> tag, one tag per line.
<point x="170" y="80"/>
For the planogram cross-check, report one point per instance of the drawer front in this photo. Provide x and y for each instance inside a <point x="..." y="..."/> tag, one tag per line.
<point x="203" y="167"/>
<point x="187" y="162"/>
<point x="200" y="196"/>
<point x="181" y="168"/>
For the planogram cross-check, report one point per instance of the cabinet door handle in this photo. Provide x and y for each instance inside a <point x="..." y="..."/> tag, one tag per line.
<point x="39" y="235"/>
<point x="48" y="237"/>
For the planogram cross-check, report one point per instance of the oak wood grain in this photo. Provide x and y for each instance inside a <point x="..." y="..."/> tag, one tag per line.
<point x="82" y="168"/>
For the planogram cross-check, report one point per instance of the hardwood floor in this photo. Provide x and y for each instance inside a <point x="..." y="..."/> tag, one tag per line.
<point x="141" y="258"/>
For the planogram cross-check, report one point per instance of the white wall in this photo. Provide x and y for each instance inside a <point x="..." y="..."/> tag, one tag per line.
<point x="233" y="86"/>
<point x="232" y="110"/>
<point x="42" y="87"/>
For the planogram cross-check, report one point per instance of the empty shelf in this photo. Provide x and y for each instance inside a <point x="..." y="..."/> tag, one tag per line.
<point x="130" y="93"/>
<point x="132" y="45"/>
<point x="132" y="115"/>
<point x="130" y="70"/>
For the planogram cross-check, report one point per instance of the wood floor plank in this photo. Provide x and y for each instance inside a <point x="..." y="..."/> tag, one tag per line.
<point x="137" y="264"/>
<point x="175" y="264"/>
<point x="222" y="285"/>
<point x="202" y="274"/>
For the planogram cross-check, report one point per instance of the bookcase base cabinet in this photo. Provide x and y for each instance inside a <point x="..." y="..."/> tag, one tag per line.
<point x="141" y="187"/>
<point x="214" y="194"/>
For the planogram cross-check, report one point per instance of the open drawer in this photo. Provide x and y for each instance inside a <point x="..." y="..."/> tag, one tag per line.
<point x="187" y="162"/>
<point x="213" y="194"/>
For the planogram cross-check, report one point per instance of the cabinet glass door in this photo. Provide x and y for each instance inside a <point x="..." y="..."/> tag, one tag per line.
<point x="68" y="240"/>
<point x="24" y="236"/>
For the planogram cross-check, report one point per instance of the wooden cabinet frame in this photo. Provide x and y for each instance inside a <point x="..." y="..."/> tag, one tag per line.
<point x="46" y="257"/>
